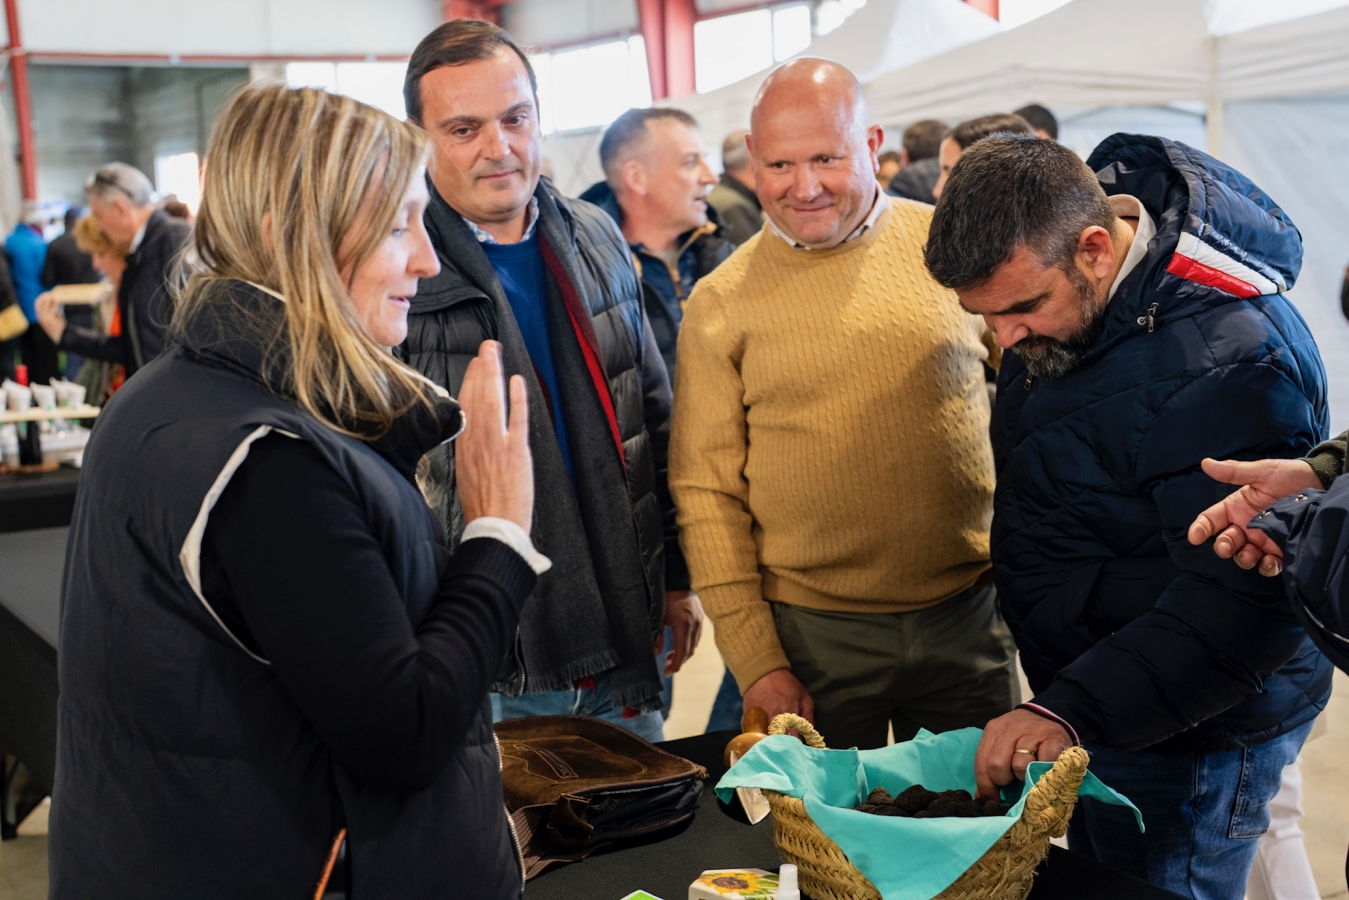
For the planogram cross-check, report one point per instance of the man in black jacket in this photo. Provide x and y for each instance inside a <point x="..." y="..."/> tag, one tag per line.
<point x="656" y="188"/>
<point x="553" y="281"/>
<point x="121" y="199"/>
<point x="1143" y="302"/>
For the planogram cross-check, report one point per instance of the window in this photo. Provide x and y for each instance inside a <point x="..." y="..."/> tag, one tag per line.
<point x="379" y="84"/>
<point x="591" y="86"/>
<point x="831" y="13"/>
<point x="179" y="174"/>
<point x="791" y="31"/>
<point x="729" y="48"/>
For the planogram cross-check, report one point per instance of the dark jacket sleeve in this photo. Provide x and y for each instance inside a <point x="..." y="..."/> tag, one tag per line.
<point x="289" y="556"/>
<point x="1217" y="631"/>
<point x="658" y="401"/>
<point x="1327" y="459"/>
<point x="95" y="345"/>
<point x="1313" y="530"/>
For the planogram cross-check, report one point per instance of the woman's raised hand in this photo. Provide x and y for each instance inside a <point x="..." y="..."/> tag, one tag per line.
<point x="493" y="466"/>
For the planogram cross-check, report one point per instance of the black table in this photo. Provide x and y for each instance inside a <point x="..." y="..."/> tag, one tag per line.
<point x="720" y="837"/>
<point x="30" y="595"/>
<point x="38" y="500"/>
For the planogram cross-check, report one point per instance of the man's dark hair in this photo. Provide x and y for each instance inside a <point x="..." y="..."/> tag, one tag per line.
<point x="1041" y="119"/>
<point x="457" y="42"/>
<point x="966" y="134"/>
<point x="888" y="156"/>
<point x="1007" y="191"/>
<point x="630" y="128"/>
<point x="923" y="139"/>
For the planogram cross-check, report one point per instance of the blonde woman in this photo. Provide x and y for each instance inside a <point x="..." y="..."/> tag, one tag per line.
<point x="266" y="652"/>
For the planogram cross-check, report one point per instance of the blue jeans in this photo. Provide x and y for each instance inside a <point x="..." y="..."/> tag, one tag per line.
<point x="728" y="708"/>
<point x="596" y="702"/>
<point x="1204" y="814"/>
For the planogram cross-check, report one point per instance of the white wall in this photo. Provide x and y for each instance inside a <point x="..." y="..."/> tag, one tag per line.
<point x="548" y="23"/>
<point x="237" y="28"/>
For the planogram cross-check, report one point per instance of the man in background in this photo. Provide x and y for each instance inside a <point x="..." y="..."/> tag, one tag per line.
<point x="733" y="197"/>
<point x="656" y="188"/>
<point x="121" y="200"/>
<point x="888" y="165"/>
<point x="1041" y="119"/>
<point x="68" y="264"/>
<point x="966" y="134"/>
<point x="918" y="161"/>
<point x="552" y="280"/>
<point x="830" y="459"/>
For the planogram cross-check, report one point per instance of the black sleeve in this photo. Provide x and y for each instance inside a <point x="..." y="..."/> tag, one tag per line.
<point x="50" y="265"/>
<point x="95" y="345"/>
<point x="289" y="556"/>
<point x="1313" y="530"/>
<point x="658" y="402"/>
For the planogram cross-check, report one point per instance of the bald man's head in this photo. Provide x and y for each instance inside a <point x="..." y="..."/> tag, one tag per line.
<point x="814" y="152"/>
<point x="818" y="85"/>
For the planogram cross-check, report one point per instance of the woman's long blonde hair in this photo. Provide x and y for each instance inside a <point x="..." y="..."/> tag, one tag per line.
<point x="309" y="163"/>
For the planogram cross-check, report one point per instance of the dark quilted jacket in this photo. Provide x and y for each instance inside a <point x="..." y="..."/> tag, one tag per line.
<point x="1126" y="631"/>
<point x="451" y="316"/>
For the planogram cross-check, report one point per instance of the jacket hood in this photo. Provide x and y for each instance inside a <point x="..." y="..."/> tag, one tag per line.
<point x="1219" y="237"/>
<point x="242" y="329"/>
<point x="604" y="197"/>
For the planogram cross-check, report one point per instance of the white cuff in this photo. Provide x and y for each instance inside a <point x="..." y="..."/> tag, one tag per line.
<point x="512" y="536"/>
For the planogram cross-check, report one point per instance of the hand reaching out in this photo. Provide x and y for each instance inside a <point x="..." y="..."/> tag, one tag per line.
<point x="1263" y="482"/>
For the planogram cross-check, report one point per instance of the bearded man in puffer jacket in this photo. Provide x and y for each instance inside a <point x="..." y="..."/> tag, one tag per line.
<point x="1141" y="296"/>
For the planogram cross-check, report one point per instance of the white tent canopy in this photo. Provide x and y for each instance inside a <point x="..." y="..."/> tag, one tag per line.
<point x="1309" y="55"/>
<point x="1086" y="53"/>
<point x="1103" y="53"/>
<point x="881" y="36"/>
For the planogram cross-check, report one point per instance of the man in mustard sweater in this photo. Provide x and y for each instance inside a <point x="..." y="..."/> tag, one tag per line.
<point x="830" y="458"/>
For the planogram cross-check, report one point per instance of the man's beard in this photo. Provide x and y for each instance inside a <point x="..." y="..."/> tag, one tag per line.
<point x="1047" y="357"/>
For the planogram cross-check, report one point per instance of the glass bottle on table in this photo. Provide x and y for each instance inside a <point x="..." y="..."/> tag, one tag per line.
<point x="30" y="433"/>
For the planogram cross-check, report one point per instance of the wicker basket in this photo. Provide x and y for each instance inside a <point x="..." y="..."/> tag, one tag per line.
<point x="1005" y="872"/>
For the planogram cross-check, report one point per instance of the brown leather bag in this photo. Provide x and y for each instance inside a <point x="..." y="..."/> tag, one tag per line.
<point x="574" y="784"/>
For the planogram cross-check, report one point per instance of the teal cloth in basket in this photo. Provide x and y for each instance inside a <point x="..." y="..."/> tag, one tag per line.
<point x="907" y="859"/>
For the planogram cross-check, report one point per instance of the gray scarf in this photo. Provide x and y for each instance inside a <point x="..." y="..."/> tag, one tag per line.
<point x="590" y="612"/>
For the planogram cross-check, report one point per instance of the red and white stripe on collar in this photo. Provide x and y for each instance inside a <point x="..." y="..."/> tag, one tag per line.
<point x="1199" y="262"/>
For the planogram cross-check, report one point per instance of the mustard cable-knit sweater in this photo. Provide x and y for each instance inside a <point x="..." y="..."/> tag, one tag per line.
<point x="830" y="435"/>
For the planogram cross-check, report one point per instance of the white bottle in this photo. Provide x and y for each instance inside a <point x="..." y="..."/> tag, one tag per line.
<point x="9" y="445"/>
<point x="787" y="888"/>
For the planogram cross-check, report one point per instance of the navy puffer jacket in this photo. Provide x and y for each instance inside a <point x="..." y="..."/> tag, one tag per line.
<point x="1127" y="632"/>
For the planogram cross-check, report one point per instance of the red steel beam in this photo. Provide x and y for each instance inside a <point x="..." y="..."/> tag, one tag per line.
<point x="679" y="69"/>
<point x="23" y="107"/>
<point x="485" y="10"/>
<point x="651" y="19"/>
<point x="987" y="7"/>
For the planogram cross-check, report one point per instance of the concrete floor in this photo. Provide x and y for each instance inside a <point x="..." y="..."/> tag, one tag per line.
<point x="1325" y="768"/>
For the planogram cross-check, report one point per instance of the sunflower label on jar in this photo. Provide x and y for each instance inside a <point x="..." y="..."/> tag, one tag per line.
<point x="734" y="884"/>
